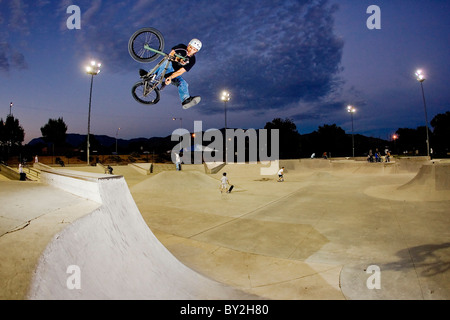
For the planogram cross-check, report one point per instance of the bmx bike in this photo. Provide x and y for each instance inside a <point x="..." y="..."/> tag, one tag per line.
<point x="146" y="45"/>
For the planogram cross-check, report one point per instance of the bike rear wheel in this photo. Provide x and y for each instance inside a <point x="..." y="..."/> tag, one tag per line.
<point x="145" y="36"/>
<point x="138" y="93"/>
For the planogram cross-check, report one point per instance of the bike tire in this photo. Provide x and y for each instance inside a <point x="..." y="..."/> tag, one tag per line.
<point x="150" y="36"/>
<point x="137" y="91"/>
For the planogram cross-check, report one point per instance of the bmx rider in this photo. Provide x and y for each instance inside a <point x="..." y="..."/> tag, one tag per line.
<point x="177" y="68"/>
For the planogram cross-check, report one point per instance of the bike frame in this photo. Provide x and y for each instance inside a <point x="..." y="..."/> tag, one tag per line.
<point x="166" y="57"/>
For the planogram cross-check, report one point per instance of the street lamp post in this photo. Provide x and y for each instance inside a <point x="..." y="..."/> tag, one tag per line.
<point x="352" y="110"/>
<point x="395" y="137"/>
<point x="10" y="106"/>
<point x="181" y="121"/>
<point x="93" y="70"/>
<point x="225" y="98"/>
<point x="421" y="78"/>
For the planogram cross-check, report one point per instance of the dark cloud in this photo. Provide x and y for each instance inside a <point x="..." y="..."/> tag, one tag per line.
<point x="273" y="56"/>
<point x="4" y="63"/>
<point x="17" y="19"/>
<point x="268" y="56"/>
<point x="318" y="110"/>
<point x="18" y="60"/>
<point x="10" y="58"/>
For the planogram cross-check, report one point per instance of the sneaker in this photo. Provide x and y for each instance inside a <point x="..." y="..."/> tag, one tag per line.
<point x="187" y="100"/>
<point x="190" y="102"/>
<point x="142" y="72"/>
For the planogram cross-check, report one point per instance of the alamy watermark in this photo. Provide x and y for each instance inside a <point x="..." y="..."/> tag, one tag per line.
<point x="74" y="280"/>
<point x="237" y="146"/>
<point x="74" y="21"/>
<point x="374" y="21"/>
<point x="374" y="281"/>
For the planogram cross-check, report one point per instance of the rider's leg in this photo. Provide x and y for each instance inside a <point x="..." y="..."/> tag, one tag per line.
<point x="161" y="68"/>
<point x="183" y="87"/>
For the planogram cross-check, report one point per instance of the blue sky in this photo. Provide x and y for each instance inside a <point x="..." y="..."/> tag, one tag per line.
<point x="303" y="60"/>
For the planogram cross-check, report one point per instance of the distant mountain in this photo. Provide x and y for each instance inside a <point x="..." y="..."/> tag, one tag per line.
<point x="335" y="145"/>
<point x="75" y="140"/>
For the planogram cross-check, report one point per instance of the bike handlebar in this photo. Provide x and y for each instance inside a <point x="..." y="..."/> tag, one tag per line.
<point x="163" y="53"/>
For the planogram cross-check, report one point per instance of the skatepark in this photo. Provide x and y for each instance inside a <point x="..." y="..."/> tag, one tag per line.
<point x="335" y="229"/>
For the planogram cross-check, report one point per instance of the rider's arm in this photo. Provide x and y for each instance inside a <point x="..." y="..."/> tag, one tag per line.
<point x="177" y="73"/>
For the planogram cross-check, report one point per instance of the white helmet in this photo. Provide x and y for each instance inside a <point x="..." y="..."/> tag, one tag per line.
<point x="195" y="43"/>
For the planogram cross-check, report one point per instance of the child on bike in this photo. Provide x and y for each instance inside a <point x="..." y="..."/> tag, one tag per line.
<point x="176" y="68"/>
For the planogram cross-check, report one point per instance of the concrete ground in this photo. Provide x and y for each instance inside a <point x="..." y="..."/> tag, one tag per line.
<point x="331" y="230"/>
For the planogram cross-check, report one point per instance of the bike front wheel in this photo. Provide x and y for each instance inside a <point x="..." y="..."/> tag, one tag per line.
<point x="143" y="95"/>
<point x="145" y="36"/>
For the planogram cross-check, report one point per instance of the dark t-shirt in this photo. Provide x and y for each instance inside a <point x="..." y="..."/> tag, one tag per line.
<point x="181" y="49"/>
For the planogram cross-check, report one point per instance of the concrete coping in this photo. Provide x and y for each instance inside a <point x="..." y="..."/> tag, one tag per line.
<point x="86" y="176"/>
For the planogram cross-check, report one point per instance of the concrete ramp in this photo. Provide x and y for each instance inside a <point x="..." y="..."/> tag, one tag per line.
<point x="431" y="183"/>
<point x="112" y="254"/>
<point x="343" y="166"/>
<point x="433" y="176"/>
<point x="250" y="169"/>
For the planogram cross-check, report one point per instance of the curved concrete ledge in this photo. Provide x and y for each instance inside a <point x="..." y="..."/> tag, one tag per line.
<point x="114" y="252"/>
<point x="431" y="183"/>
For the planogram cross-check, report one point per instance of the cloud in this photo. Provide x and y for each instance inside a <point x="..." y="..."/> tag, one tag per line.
<point x="4" y="63"/>
<point x="268" y="56"/>
<point x="10" y="58"/>
<point x="18" y="60"/>
<point x="16" y="22"/>
<point x="18" y="18"/>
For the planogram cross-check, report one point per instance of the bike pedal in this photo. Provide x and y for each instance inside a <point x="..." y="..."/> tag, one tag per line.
<point x="143" y="73"/>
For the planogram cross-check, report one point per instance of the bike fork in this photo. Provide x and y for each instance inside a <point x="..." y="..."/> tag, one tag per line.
<point x="148" y="86"/>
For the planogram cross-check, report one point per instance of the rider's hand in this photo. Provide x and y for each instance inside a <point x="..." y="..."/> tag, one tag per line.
<point x="168" y="81"/>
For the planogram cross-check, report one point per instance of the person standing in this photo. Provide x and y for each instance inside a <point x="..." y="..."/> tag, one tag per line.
<point x="224" y="183"/>
<point x="178" y="161"/>
<point x="21" y="173"/>
<point x="281" y="175"/>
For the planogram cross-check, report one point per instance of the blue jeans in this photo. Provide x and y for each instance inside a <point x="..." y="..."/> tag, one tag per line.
<point x="179" y="82"/>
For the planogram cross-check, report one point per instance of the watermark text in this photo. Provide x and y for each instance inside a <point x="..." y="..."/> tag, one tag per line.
<point x="74" y="21"/>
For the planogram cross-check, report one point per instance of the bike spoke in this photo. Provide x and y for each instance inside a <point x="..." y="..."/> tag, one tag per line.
<point x="145" y="36"/>
<point x="146" y="96"/>
<point x="149" y="37"/>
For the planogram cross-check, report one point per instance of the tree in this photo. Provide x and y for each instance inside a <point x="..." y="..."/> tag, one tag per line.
<point x="289" y="137"/>
<point x="410" y="140"/>
<point x="11" y="135"/>
<point x="55" y="132"/>
<point x="333" y="140"/>
<point x="440" y="141"/>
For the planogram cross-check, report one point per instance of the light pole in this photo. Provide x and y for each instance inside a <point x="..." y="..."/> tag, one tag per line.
<point x="352" y="110"/>
<point x="225" y="98"/>
<point x="10" y="106"/>
<point x="117" y="133"/>
<point x="395" y="137"/>
<point x="181" y="121"/>
<point x="421" y="78"/>
<point x="93" y="70"/>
